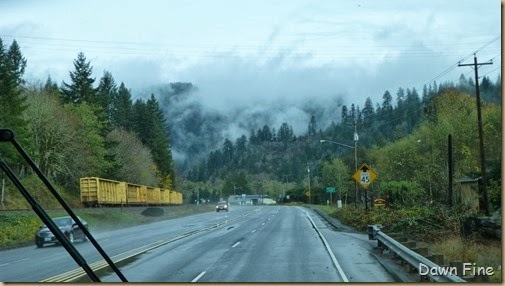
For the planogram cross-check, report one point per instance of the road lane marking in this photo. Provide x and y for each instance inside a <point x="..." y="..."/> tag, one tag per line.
<point x="199" y="276"/>
<point x="237" y="243"/>
<point x="13" y="262"/>
<point x="328" y="248"/>
<point x="74" y="274"/>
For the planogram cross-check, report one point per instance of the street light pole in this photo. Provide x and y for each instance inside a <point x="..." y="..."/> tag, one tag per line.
<point x="355" y="147"/>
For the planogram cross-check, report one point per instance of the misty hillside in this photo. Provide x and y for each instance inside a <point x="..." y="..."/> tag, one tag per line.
<point x="196" y="129"/>
<point x="200" y="134"/>
<point x="406" y="137"/>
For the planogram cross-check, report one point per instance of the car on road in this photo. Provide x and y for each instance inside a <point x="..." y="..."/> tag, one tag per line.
<point x="222" y="206"/>
<point x="67" y="225"/>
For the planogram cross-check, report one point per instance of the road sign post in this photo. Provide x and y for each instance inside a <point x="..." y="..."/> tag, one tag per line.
<point x="365" y="176"/>
<point x="330" y="190"/>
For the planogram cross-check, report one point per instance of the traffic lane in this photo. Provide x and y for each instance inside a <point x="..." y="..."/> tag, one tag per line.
<point x="52" y="259"/>
<point x="31" y="264"/>
<point x="354" y="253"/>
<point x="285" y="248"/>
<point x="185" y="259"/>
<point x="275" y="244"/>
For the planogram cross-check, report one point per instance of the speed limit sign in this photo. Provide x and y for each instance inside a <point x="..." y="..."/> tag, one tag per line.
<point x="365" y="176"/>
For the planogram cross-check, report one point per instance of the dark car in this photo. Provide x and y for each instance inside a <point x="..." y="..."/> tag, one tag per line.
<point x="222" y="206"/>
<point x="67" y="225"/>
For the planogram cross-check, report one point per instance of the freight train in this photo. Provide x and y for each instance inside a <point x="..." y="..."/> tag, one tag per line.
<point x="103" y="192"/>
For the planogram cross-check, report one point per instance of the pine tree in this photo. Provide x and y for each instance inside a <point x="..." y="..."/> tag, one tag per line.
<point x="368" y="113"/>
<point x="12" y="103"/>
<point x="81" y="87"/>
<point x="122" y="109"/>
<point x="105" y="93"/>
<point x="285" y="133"/>
<point x="312" y="126"/>
<point x="158" y="139"/>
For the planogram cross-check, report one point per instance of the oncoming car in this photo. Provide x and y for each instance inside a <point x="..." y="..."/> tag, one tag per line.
<point x="222" y="206"/>
<point x="67" y="225"/>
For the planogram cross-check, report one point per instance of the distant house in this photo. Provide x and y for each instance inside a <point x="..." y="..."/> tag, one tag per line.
<point x="250" y="200"/>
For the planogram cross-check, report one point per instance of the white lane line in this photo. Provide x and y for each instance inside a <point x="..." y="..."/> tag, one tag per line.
<point x="199" y="276"/>
<point x="328" y="248"/>
<point x="13" y="262"/>
<point x="237" y="243"/>
<point x="253" y="231"/>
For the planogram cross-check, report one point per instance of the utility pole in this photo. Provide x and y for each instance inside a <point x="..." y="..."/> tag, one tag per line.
<point x="356" y="161"/>
<point x="308" y="177"/>
<point x="483" y="201"/>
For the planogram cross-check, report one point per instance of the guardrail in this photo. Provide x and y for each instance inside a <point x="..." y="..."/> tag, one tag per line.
<point x="406" y="254"/>
<point x="414" y="259"/>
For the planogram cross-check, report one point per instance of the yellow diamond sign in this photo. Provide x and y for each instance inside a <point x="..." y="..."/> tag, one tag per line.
<point x="365" y="176"/>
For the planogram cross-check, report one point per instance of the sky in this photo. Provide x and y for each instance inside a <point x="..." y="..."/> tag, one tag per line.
<point x="247" y="55"/>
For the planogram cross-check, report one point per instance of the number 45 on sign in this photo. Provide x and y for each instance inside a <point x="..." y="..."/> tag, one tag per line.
<point x="365" y="176"/>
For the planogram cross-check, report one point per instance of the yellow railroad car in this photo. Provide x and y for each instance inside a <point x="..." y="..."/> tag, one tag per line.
<point x="179" y="198"/>
<point x="165" y="196"/>
<point x="103" y="192"/>
<point x="173" y="197"/>
<point x="136" y="194"/>
<point x="96" y="191"/>
<point x="153" y="196"/>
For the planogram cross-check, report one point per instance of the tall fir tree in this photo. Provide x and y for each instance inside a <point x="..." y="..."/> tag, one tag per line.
<point x="105" y="93"/>
<point x="122" y="109"/>
<point x="12" y="102"/>
<point x="81" y="87"/>
<point x="159" y="141"/>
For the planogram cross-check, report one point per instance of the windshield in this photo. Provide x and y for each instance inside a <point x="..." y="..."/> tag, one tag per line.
<point x="253" y="141"/>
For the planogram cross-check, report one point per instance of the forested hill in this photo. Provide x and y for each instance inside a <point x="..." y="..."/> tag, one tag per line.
<point x="274" y="156"/>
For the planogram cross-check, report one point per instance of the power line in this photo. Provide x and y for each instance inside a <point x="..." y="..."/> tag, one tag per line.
<point x="452" y="67"/>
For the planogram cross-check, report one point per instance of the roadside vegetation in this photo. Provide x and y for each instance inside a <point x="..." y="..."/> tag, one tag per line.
<point x="438" y="227"/>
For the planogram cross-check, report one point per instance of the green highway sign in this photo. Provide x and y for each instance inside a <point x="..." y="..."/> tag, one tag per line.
<point x="330" y="190"/>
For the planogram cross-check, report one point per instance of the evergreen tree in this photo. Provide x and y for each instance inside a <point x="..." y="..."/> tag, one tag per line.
<point x="253" y="138"/>
<point x="106" y="92"/>
<point x="228" y="151"/>
<point x="158" y="139"/>
<point x="12" y="102"/>
<point x="81" y="87"/>
<point x="368" y="113"/>
<point x="285" y="133"/>
<point x="50" y="86"/>
<point x="122" y="109"/>
<point x="266" y="134"/>
<point x="344" y="114"/>
<point x="312" y="126"/>
<point x="240" y="145"/>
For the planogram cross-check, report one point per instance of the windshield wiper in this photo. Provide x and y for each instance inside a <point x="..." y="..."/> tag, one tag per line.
<point x="6" y="135"/>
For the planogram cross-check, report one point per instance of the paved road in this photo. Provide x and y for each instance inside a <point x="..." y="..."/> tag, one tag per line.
<point x="247" y="244"/>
